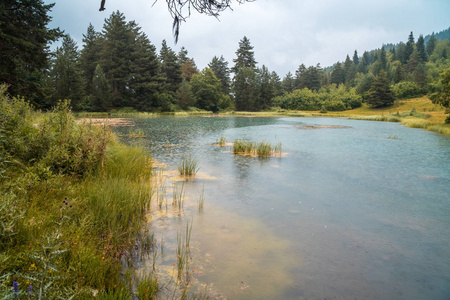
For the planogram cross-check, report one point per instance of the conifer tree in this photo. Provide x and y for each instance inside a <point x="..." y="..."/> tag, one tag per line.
<point x="266" y="89"/>
<point x="245" y="89"/>
<point x="89" y="56"/>
<point x="380" y="94"/>
<point x="24" y="53"/>
<point x="382" y="59"/>
<point x="409" y="47"/>
<point x="244" y="56"/>
<point x="431" y="44"/>
<point x="220" y="68"/>
<point x="420" y="46"/>
<point x="170" y="68"/>
<point x="355" y="58"/>
<point x="188" y="68"/>
<point x="288" y="83"/>
<point x="184" y="95"/>
<point x="101" y="91"/>
<point x="338" y="74"/>
<point x="66" y="74"/>
<point x="299" y="73"/>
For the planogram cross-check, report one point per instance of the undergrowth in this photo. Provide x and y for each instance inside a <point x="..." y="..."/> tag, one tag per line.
<point x="72" y="201"/>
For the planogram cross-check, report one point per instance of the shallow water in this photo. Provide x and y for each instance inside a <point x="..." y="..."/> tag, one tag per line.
<point x="356" y="212"/>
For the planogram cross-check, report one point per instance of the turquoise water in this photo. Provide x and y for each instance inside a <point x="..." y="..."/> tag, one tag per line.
<point x="361" y="211"/>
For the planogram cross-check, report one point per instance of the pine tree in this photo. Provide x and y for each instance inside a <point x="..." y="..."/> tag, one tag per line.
<point x="382" y="59"/>
<point x="299" y="73"/>
<point x="288" y="83"/>
<point x="101" y="91"/>
<point x="220" y="68"/>
<point x="24" y="54"/>
<point x="380" y="94"/>
<point x="244" y="56"/>
<point x="409" y="47"/>
<point x="338" y="74"/>
<point x="89" y="57"/>
<point x="266" y="89"/>
<point x="66" y="74"/>
<point x="420" y="46"/>
<point x="145" y="81"/>
<point x="188" y="68"/>
<point x="118" y="44"/>
<point x="170" y="68"/>
<point x="184" y="95"/>
<point x="245" y="89"/>
<point x="355" y="58"/>
<point x="431" y="44"/>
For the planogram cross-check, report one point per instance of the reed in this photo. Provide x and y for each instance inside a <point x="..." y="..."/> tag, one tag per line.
<point x="183" y="253"/>
<point x="222" y="141"/>
<point x="189" y="166"/>
<point x="201" y="199"/>
<point x="261" y="149"/>
<point x="178" y="195"/>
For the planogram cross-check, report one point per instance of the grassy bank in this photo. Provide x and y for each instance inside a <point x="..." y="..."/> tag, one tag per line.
<point x="415" y="113"/>
<point x="72" y="203"/>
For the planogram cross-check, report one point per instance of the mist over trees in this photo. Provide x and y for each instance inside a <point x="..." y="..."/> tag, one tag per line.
<point x="119" y="67"/>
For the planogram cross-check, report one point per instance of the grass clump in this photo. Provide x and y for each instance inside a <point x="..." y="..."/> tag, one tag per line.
<point x="189" y="166"/>
<point x="261" y="149"/>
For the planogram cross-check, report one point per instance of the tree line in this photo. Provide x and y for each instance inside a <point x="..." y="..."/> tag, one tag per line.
<point x="119" y="68"/>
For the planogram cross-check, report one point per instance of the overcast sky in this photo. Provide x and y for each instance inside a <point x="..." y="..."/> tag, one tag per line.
<point x="284" y="33"/>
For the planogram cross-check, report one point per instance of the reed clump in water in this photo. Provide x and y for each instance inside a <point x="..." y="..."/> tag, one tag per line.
<point x="189" y="166"/>
<point x="261" y="149"/>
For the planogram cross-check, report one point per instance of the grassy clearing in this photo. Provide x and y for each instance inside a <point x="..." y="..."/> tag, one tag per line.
<point x="261" y="149"/>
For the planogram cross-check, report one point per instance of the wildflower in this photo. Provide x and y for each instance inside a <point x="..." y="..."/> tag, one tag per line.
<point x="30" y="290"/>
<point x="16" y="289"/>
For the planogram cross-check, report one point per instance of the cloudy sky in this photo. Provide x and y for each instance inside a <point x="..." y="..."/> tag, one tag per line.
<point x="284" y="33"/>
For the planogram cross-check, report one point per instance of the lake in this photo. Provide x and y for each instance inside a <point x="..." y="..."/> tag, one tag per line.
<point x="352" y="210"/>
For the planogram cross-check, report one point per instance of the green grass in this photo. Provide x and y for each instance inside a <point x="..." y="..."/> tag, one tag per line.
<point x="189" y="166"/>
<point x="261" y="149"/>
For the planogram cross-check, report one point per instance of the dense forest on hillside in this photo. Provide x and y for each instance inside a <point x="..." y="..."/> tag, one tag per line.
<point x="118" y="68"/>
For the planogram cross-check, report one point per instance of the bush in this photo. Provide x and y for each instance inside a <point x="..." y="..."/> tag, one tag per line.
<point x="406" y="89"/>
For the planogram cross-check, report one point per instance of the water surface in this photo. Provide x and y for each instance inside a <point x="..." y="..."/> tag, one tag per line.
<point x="356" y="212"/>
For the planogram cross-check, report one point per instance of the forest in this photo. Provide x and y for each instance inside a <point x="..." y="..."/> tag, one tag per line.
<point x="118" y="68"/>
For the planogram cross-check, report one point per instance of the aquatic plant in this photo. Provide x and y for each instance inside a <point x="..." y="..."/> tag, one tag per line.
<point x="261" y="149"/>
<point x="222" y="141"/>
<point x="183" y="253"/>
<point x="178" y="195"/>
<point x="201" y="199"/>
<point x="147" y="287"/>
<point x="189" y="166"/>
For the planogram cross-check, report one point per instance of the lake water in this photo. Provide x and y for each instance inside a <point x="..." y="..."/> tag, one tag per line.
<point x="361" y="211"/>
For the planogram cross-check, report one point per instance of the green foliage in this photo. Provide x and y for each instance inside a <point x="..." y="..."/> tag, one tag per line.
<point x="244" y="56"/>
<point x="24" y="35"/>
<point x="245" y="88"/>
<point x="442" y="96"/>
<point x="406" y="89"/>
<point x="207" y="90"/>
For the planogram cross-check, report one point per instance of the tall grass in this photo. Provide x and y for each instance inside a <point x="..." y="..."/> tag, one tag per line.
<point x="74" y="180"/>
<point x="261" y="149"/>
<point x="189" y="166"/>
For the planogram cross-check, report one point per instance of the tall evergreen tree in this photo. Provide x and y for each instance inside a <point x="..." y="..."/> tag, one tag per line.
<point x="245" y="89"/>
<point x="244" y="56"/>
<point x="382" y="59"/>
<point x="431" y="44"/>
<point x="355" y="58"/>
<point x="338" y="74"/>
<point x="184" y="95"/>
<point x="420" y="46"/>
<point x="145" y="78"/>
<point x="101" y="91"/>
<point x="266" y="89"/>
<point x="288" y="83"/>
<point x="299" y="73"/>
<point x="24" y="38"/>
<point x="188" y="68"/>
<point x="409" y="47"/>
<point x="66" y="74"/>
<point x="89" y="56"/>
<point x="118" y="44"/>
<point x="220" y="68"/>
<point x="170" y="67"/>
<point x="380" y="94"/>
